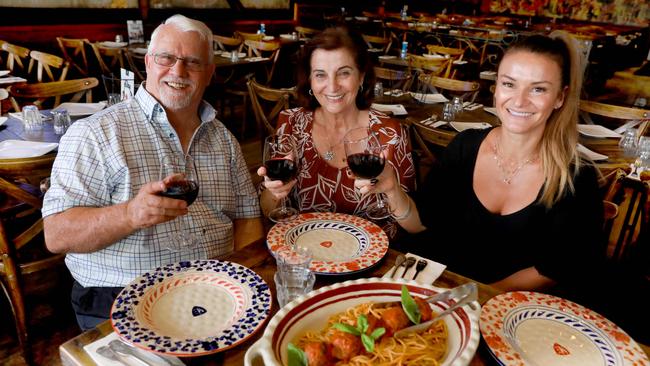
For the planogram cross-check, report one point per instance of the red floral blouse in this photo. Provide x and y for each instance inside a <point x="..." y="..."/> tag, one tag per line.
<point x="324" y="188"/>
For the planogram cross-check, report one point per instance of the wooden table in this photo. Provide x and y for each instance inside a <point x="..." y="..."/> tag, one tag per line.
<point x="258" y="258"/>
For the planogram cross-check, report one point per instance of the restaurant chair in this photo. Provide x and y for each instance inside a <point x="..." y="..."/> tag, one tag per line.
<point x="244" y="36"/>
<point x="46" y="62"/>
<point x="451" y="54"/>
<point x="2" y="63"/>
<point x="109" y="59"/>
<point x="267" y="104"/>
<point x="614" y="112"/>
<point x="378" y="44"/>
<point x="223" y="43"/>
<point x="468" y="90"/>
<point x="74" y="51"/>
<point x="421" y="65"/>
<point x="394" y="79"/>
<point x="22" y="246"/>
<point x="304" y="32"/>
<point x="16" y="55"/>
<point x="632" y="220"/>
<point x="41" y="93"/>
<point x="136" y="64"/>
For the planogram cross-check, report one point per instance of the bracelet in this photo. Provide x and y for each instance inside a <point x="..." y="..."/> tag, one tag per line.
<point x="405" y="214"/>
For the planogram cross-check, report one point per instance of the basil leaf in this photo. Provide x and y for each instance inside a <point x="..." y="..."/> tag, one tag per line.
<point x="347" y="328"/>
<point x="296" y="356"/>
<point x="409" y="306"/>
<point x="377" y="333"/>
<point x="368" y="343"/>
<point x="362" y="323"/>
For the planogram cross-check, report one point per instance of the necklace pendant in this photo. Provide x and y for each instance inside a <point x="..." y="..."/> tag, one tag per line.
<point x="329" y="155"/>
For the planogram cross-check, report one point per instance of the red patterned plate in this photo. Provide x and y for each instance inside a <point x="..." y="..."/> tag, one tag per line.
<point x="538" y="329"/>
<point x="340" y="243"/>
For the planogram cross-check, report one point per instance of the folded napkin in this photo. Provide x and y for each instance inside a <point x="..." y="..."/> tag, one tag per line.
<point x="394" y="92"/>
<point x="429" y="98"/>
<point x="387" y="57"/>
<point x="19" y="116"/>
<point x="4" y="72"/>
<point x="469" y="106"/>
<point x="3" y="120"/>
<point x="257" y="58"/>
<point x="12" y="79"/>
<point x="427" y="276"/>
<point x="591" y="154"/>
<point x="152" y="359"/>
<point x="462" y="126"/>
<point x="628" y="124"/>
<point x="396" y="109"/>
<point x="597" y="131"/>
<point x="491" y="110"/>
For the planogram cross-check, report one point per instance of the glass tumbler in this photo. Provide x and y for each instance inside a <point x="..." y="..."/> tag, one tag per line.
<point x="629" y="142"/>
<point x="61" y="121"/>
<point x="448" y="112"/>
<point x="457" y="102"/>
<point x="32" y="118"/>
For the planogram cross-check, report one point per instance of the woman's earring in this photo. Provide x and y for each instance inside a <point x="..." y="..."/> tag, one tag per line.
<point x="361" y="87"/>
<point x="311" y="92"/>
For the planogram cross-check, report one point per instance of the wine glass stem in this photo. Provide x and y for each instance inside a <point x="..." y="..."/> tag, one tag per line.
<point x="380" y="201"/>
<point x="283" y="205"/>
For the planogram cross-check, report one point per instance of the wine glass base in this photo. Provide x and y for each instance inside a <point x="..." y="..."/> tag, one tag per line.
<point x="377" y="213"/>
<point x="182" y="242"/>
<point x="283" y="215"/>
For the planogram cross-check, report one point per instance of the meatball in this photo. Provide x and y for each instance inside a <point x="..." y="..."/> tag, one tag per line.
<point x="394" y="319"/>
<point x="317" y="354"/>
<point x="344" y="345"/>
<point x="426" y="313"/>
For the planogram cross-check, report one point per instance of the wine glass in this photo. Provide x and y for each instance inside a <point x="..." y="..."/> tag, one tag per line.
<point x="184" y="185"/>
<point x="280" y="163"/>
<point x="364" y="158"/>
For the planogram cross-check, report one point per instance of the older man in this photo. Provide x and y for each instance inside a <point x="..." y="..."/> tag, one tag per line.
<point x="104" y="206"/>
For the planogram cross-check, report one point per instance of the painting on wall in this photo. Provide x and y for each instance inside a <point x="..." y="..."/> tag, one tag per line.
<point x="626" y="12"/>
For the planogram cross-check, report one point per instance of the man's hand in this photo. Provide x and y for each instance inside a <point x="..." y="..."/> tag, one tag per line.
<point x="147" y="208"/>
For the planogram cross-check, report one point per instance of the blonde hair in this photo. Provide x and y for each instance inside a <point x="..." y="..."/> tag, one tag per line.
<point x="558" y="151"/>
<point x="184" y="24"/>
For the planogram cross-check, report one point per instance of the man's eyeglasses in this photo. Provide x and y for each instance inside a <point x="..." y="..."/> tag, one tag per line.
<point x="167" y="60"/>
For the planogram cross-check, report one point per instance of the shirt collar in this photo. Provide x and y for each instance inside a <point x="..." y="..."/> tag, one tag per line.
<point x="150" y="106"/>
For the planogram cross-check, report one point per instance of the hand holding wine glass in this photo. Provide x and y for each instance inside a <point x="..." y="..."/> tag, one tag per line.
<point x="366" y="161"/>
<point x="280" y="162"/>
<point x="181" y="182"/>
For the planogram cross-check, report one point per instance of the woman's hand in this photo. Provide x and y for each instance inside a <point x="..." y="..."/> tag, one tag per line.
<point x="276" y="188"/>
<point x="385" y="183"/>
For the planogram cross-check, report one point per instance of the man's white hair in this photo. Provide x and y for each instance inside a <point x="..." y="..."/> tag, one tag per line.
<point x="184" y="24"/>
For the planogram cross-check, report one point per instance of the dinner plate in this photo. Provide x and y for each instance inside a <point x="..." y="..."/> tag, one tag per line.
<point x="17" y="149"/>
<point x="591" y="154"/>
<point x="192" y="308"/>
<point x="533" y="328"/>
<point x="340" y="243"/>
<point x="597" y="131"/>
<point x="81" y="109"/>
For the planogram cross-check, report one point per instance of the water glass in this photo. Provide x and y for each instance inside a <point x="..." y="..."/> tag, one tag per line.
<point x="61" y="121"/>
<point x="644" y="152"/>
<point x="629" y="142"/>
<point x="379" y="89"/>
<point x="32" y="118"/>
<point x="457" y="102"/>
<point x="234" y="56"/>
<point x="448" y="112"/>
<point x="293" y="277"/>
<point x="295" y="259"/>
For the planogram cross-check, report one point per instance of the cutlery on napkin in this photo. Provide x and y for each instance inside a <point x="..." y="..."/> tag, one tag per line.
<point x="426" y="276"/>
<point x="151" y="358"/>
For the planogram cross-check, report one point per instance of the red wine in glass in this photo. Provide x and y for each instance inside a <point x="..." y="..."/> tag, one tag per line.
<point x="186" y="190"/>
<point x="280" y="162"/>
<point x="366" y="165"/>
<point x="281" y="169"/>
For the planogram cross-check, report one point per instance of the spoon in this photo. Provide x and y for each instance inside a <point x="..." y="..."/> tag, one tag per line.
<point x="410" y="261"/>
<point x="419" y="266"/>
<point x="398" y="262"/>
<point x="104" y="351"/>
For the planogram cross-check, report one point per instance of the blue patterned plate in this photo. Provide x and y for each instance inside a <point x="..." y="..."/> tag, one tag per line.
<point x="192" y="308"/>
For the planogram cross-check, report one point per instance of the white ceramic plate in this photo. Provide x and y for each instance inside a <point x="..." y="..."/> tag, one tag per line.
<point x="17" y="149"/>
<point x="3" y="120"/>
<point x="597" y="131"/>
<point x="111" y="44"/>
<point x="311" y="312"/>
<point x="591" y="154"/>
<point x="340" y="243"/>
<point x="462" y="126"/>
<point x="192" y="308"/>
<point x="81" y="109"/>
<point x="538" y="329"/>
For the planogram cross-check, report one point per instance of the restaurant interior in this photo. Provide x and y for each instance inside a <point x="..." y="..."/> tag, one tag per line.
<point x="76" y="51"/>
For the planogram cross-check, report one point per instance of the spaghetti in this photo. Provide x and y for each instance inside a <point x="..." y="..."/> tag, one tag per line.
<point x="418" y="348"/>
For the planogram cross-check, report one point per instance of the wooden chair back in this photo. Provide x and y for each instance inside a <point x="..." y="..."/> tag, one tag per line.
<point x="468" y="90"/>
<point x="136" y="64"/>
<point x="74" y="51"/>
<point x="244" y="36"/>
<point x="224" y="43"/>
<point x="451" y="54"/>
<point x="381" y="44"/>
<point x="427" y="65"/>
<point x="109" y="59"/>
<point x="268" y="103"/>
<point x="22" y="247"/>
<point x="395" y="79"/>
<point x="39" y="93"/>
<point x="304" y="32"/>
<point x="588" y="108"/>
<point x="264" y="49"/>
<point x="46" y="62"/>
<point x="16" y="56"/>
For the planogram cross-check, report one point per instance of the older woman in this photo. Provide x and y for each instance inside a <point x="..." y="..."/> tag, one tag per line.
<point x="335" y="82"/>
<point x="517" y="206"/>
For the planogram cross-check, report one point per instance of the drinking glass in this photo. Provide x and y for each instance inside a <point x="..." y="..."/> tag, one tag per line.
<point x="448" y="113"/>
<point x="184" y="185"/>
<point x="32" y="118"/>
<point x="61" y="121"/>
<point x="293" y="277"/>
<point x="281" y="164"/>
<point x="457" y="102"/>
<point x="628" y="142"/>
<point x="363" y="152"/>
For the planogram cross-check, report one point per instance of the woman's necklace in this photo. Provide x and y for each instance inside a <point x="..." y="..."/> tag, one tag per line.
<point x="507" y="175"/>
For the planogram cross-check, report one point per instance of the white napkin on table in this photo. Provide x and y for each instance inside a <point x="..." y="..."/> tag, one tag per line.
<point x="427" y="276"/>
<point x="462" y="126"/>
<point x="19" y="116"/>
<point x="490" y="110"/>
<point x="256" y="58"/>
<point x="152" y="359"/>
<point x="396" y="109"/>
<point x="591" y="154"/>
<point x="429" y="98"/>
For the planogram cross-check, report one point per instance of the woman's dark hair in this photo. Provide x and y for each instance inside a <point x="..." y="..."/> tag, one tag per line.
<point x="332" y="39"/>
